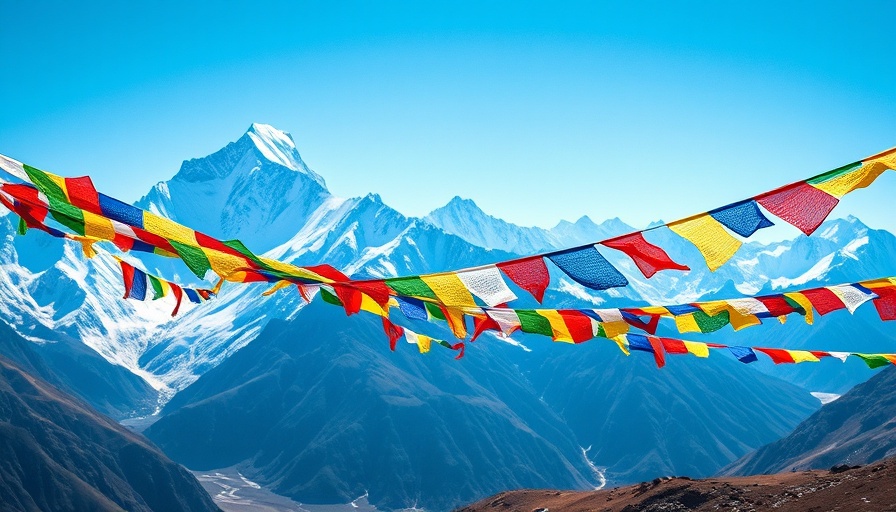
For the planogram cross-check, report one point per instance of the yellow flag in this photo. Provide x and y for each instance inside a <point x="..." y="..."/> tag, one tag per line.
<point x="622" y="342"/>
<point x="423" y="343"/>
<point x="801" y="299"/>
<point x="279" y="286"/>
<point x="455" y="318"/>
<point x="860" y="177"/>
<point x="709" y="236"/>
<point x="449" y="289"/>
<point x="169" y="229"/>
<point x="686" y="323"/>
<point x="96" y="226"/>
<point x="802" y="356"/>
<point x="558" y="326"/>
<point x="697" y="348"/>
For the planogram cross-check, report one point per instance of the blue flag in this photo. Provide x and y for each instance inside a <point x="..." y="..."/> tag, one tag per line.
<point x="588" y="267"/>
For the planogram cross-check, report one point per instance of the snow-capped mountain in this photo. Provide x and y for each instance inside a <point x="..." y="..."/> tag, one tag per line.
<point x="464" y="218"/>
<point x="257" y="189"/>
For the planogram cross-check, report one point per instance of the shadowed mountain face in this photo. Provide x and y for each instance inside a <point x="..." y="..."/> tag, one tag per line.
<point x="684" y="419"/>
<point x="76" y="369"/>
<point x="857" y="428"/>
<point x="322" y="411"/>
<point x="58" y="454"/>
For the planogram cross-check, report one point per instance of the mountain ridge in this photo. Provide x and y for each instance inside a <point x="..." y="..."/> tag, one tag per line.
<point x="857" y="428"/>
<point x="59" y="454"/>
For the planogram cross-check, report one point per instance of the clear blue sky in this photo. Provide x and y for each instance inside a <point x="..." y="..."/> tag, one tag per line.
<point x="537" y="112"/>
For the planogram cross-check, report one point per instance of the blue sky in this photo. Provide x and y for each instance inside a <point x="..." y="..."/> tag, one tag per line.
<point x="537" y="112"/>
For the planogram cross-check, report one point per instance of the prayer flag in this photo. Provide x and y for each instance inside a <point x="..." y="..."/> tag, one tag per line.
<point x="648" y="257"/>
<point x="589" y="268"/>
<point x="530" y="274"/>
<point x="710" y="238"/>
<point x="800" y="204"/>
<point x="744" y="217"/>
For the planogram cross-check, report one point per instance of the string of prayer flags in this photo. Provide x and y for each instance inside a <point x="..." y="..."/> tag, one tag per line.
<point x="129" y="227"/>
<point x="137" y="283"/>
<point x="393" y="331"/>
<point x="657" y="345"/>
<point x="75" y="204"/>
<point x="577" y="325"/>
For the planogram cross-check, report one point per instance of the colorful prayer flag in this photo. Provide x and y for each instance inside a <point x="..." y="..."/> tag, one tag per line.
<point x="710" y="238"/>
<point x="589" y="268"/>
<point x="801" y="205"/>
<point x="744" y="217"/>
<point x="648" y="257"/>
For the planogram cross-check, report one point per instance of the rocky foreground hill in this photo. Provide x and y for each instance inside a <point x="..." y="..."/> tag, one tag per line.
<point x="856" y="489"/>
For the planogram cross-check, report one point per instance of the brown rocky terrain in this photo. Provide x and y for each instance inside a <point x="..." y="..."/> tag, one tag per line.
<point x="856" y="489"/>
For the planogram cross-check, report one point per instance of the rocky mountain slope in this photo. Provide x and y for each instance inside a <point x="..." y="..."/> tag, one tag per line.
<point x="857" y="428"/>
<point x="56" y="453"/>
<point x="867" y="489"/>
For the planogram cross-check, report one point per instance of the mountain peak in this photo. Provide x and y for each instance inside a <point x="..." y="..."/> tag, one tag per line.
<point x="458" y="201"/>
<point x="459" y="206"/>
<point x="279" y="147"/>
<point x="843" y="229"/>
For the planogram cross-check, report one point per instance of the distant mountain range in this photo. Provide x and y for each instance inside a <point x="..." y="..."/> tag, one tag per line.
<point x="255" y="380"/>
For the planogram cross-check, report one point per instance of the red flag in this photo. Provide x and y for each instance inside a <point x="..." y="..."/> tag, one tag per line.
<point x="823" y="300"/>
<point x="393" y="332"/>
<point x="776" y="305"/>
<point x="578" y="323"/>
<point x="800" y="204"/>
<point x="178" y="294"/>
<point x="778" y="355"/>
<point x="482" y="324"/>
<point x="82" y="194"/>
<point x="885" y="303"/>
<point x="659" y="354"/>
<point x="329" y="272"/>
<point x="127" y="272"/>
<point x="350" y="298"/>
<point x="530" y="274"/>
<point x="303" y="292"/>
<point x="673" y="346"/>
<point x="648" y="257"/>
